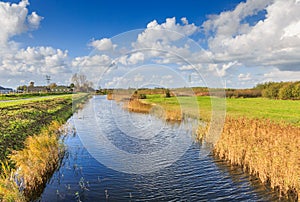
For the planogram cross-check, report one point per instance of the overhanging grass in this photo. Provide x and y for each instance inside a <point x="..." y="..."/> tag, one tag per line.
<point x="42" y="152"/>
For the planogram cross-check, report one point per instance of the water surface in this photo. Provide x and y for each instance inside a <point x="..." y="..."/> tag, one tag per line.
<point x="93" y="171"/>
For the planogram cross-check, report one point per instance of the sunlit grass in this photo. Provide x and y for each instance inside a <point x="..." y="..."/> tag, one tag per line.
<point x="9" y="190"/>
<point x="261" y="108"/>
<point x="38" y="159"/>
<point x="266" y="149"/>
<point x="10" y="103"/>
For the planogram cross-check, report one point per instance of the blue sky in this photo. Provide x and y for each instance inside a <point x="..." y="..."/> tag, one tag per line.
<point x="243" y="42"/>
<point x="70" y="24"/>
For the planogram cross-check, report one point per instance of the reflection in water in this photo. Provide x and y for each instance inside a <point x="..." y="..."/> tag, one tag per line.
<point x="195" y="176"/>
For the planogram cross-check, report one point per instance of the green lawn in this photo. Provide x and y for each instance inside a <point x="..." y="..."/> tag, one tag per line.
<point x="262" y="108"/>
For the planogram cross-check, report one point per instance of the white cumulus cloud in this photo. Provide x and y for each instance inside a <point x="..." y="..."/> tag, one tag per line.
<point x="103" y="44"/>
<point x="14" y="20"/>
<point x="273" y="41"/>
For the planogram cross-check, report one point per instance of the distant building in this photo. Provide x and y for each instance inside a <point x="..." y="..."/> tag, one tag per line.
<point x="5" y="90"/>
<point x="37" y="89"/>
<point x="61" y="89"/>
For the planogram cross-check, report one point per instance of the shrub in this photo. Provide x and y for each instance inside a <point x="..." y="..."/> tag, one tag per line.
<point x="142" y="96"/>
<point x="168" y="94"/>
<point x="286" y="92"/>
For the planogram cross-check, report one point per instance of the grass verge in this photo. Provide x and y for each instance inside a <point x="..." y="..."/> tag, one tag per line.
<point x="32" y="158"/>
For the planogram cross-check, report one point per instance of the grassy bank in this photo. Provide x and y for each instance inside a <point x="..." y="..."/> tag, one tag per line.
<point x="30" y="142"/>
<point x="261" y="135"/>
<point x="20" y="119"/>
<point x="34" y="164"/>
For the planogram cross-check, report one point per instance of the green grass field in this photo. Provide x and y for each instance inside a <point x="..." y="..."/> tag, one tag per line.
<point x="22" y="118"/>
<point x="277" y="110"/>
<point x="17" y="96"/>
<point x="8" y="103"/>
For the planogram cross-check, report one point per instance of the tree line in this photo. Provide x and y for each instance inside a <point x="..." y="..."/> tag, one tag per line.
<point x="280" y="90"/>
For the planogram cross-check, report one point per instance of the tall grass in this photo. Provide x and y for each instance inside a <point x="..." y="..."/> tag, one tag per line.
<point x="39" y="158"/>
<point x="40" y="154"/>
<point x="9" y="190"/>
<point x="137" y="106"/>
<point x="265" y="149"/>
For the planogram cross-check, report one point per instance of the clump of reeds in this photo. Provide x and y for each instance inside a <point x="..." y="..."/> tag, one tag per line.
<point x="38" y="159"/>
<point x="265" y="149"/>
<point x="9" y="190"/>
<point x="135" y="105"/>
<point x="167" y="114"/>
<point x="173" y="115"/>
<point x="109" y="96"/>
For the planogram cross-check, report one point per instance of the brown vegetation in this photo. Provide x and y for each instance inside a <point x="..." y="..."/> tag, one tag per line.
<point x="109" y="97"/>
<point x="9" y="190"/>
<point x="137" y="106"/>
<point x="38" y="159"/>
<point x="173" y="115"/>
<point x="265" y="149"/>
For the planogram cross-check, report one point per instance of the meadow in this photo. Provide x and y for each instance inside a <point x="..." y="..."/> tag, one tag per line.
<point x="287" y="111"/>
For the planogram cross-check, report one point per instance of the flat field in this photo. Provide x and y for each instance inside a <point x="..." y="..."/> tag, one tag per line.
<point x="276" y="110"/>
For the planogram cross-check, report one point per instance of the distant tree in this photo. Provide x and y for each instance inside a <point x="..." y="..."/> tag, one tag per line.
<point x="22" y="88"/>
<point x="52" y="85"/>
<point x="286" y="92"/>
<point x="81" y="83"/>
<point x="168" y="94"/>
<point x="31" y="84"/>
<point x="296" y="91"/>
<point x="272" y="90"/>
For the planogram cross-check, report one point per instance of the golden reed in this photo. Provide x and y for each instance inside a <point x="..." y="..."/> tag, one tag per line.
<point x="268" y="150"/>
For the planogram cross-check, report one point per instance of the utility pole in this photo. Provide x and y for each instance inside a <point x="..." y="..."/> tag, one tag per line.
<point x="48" y="79"/>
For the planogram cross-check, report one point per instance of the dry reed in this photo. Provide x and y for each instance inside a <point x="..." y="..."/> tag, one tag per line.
<point x="265" y="149"/>
<point x="137" y="106"/>
<point x="109" y="97"/>
<point x="9" y="190"/>
<point x="38" y="159"/>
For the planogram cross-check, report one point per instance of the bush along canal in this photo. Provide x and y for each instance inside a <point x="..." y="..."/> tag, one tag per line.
<point x="31" y="149"/>
<point x="117" y="155"/>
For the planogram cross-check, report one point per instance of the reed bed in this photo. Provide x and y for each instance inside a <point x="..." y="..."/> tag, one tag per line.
<point x="265" y="149"/>
<point x="136" y="105"/>
<point x="167" y="114"/>
<point x="109" y="97"/>
<point x="173" y="115"/>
